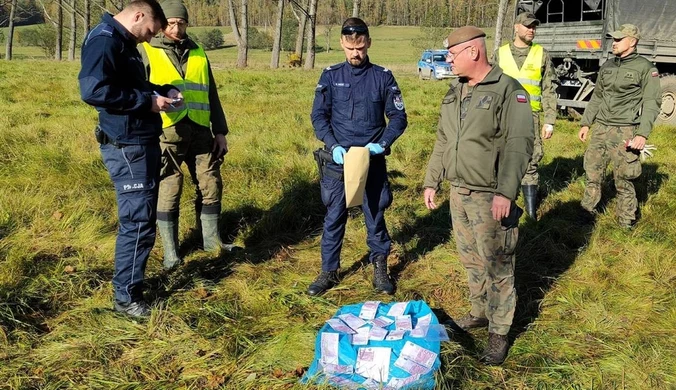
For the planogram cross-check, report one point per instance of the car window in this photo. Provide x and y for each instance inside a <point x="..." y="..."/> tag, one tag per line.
<point x="439" y="58"/>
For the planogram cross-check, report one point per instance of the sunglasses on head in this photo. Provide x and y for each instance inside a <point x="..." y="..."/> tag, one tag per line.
<point x="349" y="30"/>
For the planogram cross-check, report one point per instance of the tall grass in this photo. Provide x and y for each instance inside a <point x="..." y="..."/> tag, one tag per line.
<point x="596" y="303"/>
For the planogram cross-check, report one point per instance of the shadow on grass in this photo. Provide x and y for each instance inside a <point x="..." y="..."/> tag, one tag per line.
<point x="549" y="247"/>
<point x="557" y="175"/>
<point x="545" y="251"/>
<point x="297" y="215"/>
<point x="433" y="229"/>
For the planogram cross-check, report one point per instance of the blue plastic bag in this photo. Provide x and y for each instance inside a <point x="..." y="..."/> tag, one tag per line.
<point x="321" y="373"/>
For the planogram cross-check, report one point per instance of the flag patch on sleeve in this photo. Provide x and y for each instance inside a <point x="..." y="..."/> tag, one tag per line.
<point x="521" y="98"/>
<point x="655" y="74"/>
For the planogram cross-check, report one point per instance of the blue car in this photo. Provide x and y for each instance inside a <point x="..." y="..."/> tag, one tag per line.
<point x="433" y="65"/>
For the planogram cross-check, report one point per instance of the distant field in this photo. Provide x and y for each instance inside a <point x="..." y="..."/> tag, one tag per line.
<point x="597" y="305"/>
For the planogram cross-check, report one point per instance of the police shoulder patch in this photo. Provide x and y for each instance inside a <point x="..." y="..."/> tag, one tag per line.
<point x="521" y="98"/>
<point x="398" y="102"/>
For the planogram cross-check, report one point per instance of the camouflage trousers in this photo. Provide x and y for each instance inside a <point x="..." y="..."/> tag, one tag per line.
<point x="191" y="144"/>
<point x="486" y="250"/>
<point x="532" y="177"/>
<point x="607" y="145"/>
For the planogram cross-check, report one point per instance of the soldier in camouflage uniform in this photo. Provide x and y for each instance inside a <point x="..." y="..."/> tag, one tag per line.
<point x="486" y="115"/>
<point x="623" y="108"/>
<point x="531" y="65"/>
<point x="194" y="135"/>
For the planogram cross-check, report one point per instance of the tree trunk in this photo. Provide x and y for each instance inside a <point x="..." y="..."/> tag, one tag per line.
<point x="59" y="30"/>
<point x="243" y="47"/>
<point x="276" y="46"/>
<point x="310" y="54"/>
<point x="73" y="32"/>
<point x="10" y="31"/>
<point x="87" y="18"/>
<point x="355" y="8"/>
<point x="302" y="26"/>
<point x="502" y="11"/>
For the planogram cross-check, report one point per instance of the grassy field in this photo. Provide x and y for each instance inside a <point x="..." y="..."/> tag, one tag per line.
<point x="597" y="305"/>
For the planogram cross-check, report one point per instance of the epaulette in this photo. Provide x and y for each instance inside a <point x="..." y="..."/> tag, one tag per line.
<point x="380" y="68"/>
<point x="334" y="67"/>
<point x="102" y="29"/>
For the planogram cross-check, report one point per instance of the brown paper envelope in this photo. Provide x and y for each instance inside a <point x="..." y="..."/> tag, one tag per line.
<point x="356" y="170"/>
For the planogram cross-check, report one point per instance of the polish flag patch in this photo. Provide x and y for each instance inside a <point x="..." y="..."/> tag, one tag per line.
<point x="521" y="98"/>
<point x="655" y="74"/>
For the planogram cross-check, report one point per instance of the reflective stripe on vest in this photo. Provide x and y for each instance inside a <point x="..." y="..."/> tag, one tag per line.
<point x="529" y="75"/>
<point x="195" y="86"/>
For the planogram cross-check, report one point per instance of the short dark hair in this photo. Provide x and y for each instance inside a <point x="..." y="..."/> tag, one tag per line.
<point x="152" y="7"/>
<point x="354" y="27"/>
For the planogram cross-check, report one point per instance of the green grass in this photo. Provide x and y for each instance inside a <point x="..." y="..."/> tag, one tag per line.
<point x="596" y="303"/>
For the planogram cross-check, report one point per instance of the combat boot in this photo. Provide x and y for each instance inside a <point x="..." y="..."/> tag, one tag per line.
<point x="169" y="234"/>
<point x="496" y="349"/>
<point x="324" y="281"/>
<point x="530" y="200"/>
<point x="381" y="281"/>
<point x="470" y="322"/>
<point x="211" y="237"/>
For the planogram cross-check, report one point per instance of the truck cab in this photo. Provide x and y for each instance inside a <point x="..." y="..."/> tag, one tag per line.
<point x="575" y="32"/>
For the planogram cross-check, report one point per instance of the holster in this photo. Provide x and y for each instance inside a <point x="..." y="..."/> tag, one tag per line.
<point x="322" y="158"/>
<point x="102" y="138"/>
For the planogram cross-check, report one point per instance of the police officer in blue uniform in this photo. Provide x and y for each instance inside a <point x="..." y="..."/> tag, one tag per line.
<point x="113" y="80"/>
<point x="351" y="101"/>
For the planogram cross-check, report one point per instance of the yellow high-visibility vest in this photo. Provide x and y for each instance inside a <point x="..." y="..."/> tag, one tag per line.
<point x="529" y="76"/>
<point x="194" y="87"/>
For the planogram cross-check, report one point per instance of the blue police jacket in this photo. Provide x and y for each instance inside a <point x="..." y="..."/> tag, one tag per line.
<point x="113" y="80"/>
<point x="351" y="104"/>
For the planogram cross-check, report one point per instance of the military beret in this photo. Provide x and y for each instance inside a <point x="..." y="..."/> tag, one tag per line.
<point x="626" y="30"/>
<point x="527" y="19"/>
<point x="463" y="34"/>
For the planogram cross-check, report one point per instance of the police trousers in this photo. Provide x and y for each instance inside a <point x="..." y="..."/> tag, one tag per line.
<point x="486" y="250"/>
<point x="607" y="144"/>
<point x="134" y="169"/>
<point x="377" y="198"/>
<point x="193" y="144"/>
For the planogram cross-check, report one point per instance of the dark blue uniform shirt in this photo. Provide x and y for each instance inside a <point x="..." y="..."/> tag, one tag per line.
<point x="113" y="80"/>
<point x="351" y="104"/>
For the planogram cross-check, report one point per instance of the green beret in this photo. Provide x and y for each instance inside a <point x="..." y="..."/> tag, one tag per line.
<point x="463" y="34"/>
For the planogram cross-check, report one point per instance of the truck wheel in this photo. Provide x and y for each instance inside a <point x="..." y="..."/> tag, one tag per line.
<point x="667" y="114"/>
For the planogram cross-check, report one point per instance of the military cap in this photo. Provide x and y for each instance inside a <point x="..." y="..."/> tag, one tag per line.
<point x="626" y="30"/>
<point x="463" y="34"/>
<point x="174" y="9"/>
<point x="527" y="19"/>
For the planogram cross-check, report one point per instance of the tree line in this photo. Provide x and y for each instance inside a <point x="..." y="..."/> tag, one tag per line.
<point x="71" y="19"/>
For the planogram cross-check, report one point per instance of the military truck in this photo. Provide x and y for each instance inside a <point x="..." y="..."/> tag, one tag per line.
<point x="576" y="34"/>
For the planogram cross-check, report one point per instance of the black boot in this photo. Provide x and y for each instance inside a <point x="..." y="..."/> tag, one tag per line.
<point x="530" y="200"/>
<point x="496" y="350"/>
<point x="169" y="235"/>
<point x="324" y="281"/>
<point x="381" y="281"/>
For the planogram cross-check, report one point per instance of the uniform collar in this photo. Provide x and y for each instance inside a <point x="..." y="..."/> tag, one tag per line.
<point x="357" y="70"/>
<point x="628" y="58"/>
<point x="126" y="34"/>
<point x="493" y="76"/>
